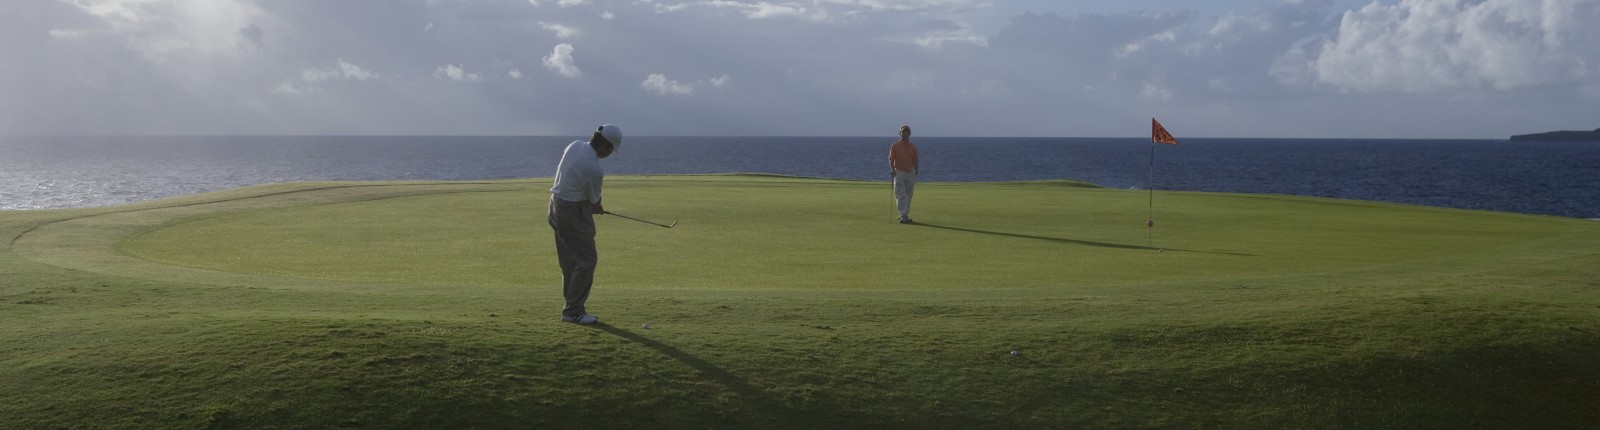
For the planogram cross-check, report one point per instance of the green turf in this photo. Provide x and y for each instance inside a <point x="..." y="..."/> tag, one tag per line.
<point x="796" y="303"/>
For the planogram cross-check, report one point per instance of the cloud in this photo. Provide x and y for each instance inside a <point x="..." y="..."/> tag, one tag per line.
<point x="351" y="71"/>
<point x="166" y="31"/>
<point x="1274" y="68"/>
<point x="1134" y="47"/>
<point x="341" y="70"/>
<point x="64" y="34"/>
<point x="1441" y="46"/>
<point x="562" y="31"/>
<point x="659" y="84"/>
<point x="455" y="73"/>
<point x="560" y="61"/>
<point x="905" y="5"/>
<point x="562" y="3"/>
<point x="964" y="36"/>
<point x="292" y="88"/>
<point x="757" y="10"/>
<point x="770" y="10"/>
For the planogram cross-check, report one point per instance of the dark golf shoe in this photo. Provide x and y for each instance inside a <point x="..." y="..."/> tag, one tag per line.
<point x="580" y="319"/>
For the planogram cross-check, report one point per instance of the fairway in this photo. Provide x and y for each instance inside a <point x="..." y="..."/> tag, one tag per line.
<point x="784" y="302"/>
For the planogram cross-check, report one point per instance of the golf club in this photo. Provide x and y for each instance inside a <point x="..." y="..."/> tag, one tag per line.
<point x="640" y="220"/>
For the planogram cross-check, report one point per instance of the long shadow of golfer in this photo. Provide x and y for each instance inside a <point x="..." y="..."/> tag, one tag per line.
<point x="754" y="402"/>
<point x="1076" y="241"/>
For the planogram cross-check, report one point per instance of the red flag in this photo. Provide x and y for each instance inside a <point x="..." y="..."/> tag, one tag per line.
<point x="1159" y="134"/>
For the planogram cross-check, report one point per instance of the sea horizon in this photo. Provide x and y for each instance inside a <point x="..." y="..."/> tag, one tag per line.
<point x="1550" y="178"/>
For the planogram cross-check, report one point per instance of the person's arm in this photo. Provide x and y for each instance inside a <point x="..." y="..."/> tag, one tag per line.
<point x="594" y="192"/>
<point x="891" y="161"/>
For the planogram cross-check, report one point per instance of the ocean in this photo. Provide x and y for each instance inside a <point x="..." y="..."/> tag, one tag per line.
<point x="1548" y="178"/>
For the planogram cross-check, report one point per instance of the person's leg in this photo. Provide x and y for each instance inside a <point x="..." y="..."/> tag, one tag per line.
<point x="563" y="254"/>
<point x="902" y="193"/>
<point x="575" y="226"/>
<point x="584" y="259"/>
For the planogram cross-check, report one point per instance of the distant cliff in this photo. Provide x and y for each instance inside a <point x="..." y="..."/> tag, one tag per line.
<point x="1560" y="136"/>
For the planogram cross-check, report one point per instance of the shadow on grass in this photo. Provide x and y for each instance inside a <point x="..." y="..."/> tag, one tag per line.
<point x="755" y="406"/>
<point x="1076" y="241"/>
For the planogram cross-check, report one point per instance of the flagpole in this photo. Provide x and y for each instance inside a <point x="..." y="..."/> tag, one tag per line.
<point x="1158" y="134"/>
<point x="1150" y="220"/>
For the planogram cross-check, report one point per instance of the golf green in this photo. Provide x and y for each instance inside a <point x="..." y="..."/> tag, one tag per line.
<point x="782" y="302"/>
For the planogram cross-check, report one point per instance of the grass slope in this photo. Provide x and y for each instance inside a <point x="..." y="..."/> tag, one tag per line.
<point x="796" y="303"/>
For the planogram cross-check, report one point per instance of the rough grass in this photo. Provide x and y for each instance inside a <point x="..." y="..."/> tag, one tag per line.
<point x="796" y="303"/>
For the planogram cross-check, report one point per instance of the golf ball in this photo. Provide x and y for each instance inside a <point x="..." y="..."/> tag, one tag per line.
<point x="1015" y="353"/>
<point x="646" y="326"/>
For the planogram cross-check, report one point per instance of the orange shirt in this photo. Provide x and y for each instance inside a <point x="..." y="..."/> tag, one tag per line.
<point x="903" y="156"/>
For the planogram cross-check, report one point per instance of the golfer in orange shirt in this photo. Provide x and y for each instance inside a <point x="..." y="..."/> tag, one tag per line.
<point x="903" y="167"/>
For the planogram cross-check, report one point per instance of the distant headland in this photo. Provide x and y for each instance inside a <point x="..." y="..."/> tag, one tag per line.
<point x="1560" y="136"/>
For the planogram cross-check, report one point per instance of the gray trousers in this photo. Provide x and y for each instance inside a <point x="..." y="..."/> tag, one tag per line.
<point x="905" y="183"/>
<point x="573" y="223"/>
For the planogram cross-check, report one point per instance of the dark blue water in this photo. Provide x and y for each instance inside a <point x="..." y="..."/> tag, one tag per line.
<point x="1530" y="177"/>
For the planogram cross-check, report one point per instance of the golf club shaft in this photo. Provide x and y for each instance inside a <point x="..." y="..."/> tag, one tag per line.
<point x="640" y="220"/>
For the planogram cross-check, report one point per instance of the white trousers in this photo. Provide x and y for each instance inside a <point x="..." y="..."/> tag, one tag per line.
<point x="904" y="184"/>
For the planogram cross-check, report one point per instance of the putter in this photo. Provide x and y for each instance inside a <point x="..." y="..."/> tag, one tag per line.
<point x="643" y="221"/>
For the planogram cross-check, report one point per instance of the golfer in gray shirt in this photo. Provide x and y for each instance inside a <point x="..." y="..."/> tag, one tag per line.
<point x="574" y="201"/>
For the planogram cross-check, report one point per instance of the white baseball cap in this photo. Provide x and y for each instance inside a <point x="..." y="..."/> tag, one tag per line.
<point x="612" y="134"/>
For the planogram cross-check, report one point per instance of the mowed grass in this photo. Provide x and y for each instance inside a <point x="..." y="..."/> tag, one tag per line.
<point x="796" y="303"/>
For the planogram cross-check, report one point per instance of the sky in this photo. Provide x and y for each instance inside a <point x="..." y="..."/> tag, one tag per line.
<point x="1477" y="69"/>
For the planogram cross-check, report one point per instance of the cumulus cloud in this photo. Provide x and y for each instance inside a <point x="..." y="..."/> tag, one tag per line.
<point x="903" y="5"/>
<point x="1436" y="46"/>
<point x="562" y="31"/>
<point x="1134" y="47"/>
<point x="771" y="10"/>
<point x="292" y="88"/>
<point x="341" y="70"/>
<point x="659" y="84"/>
<point x="756" y="10"/>
<point x="455" y="73"/>
<point x="560" y="61"/>
<point x="514" y="74"/>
